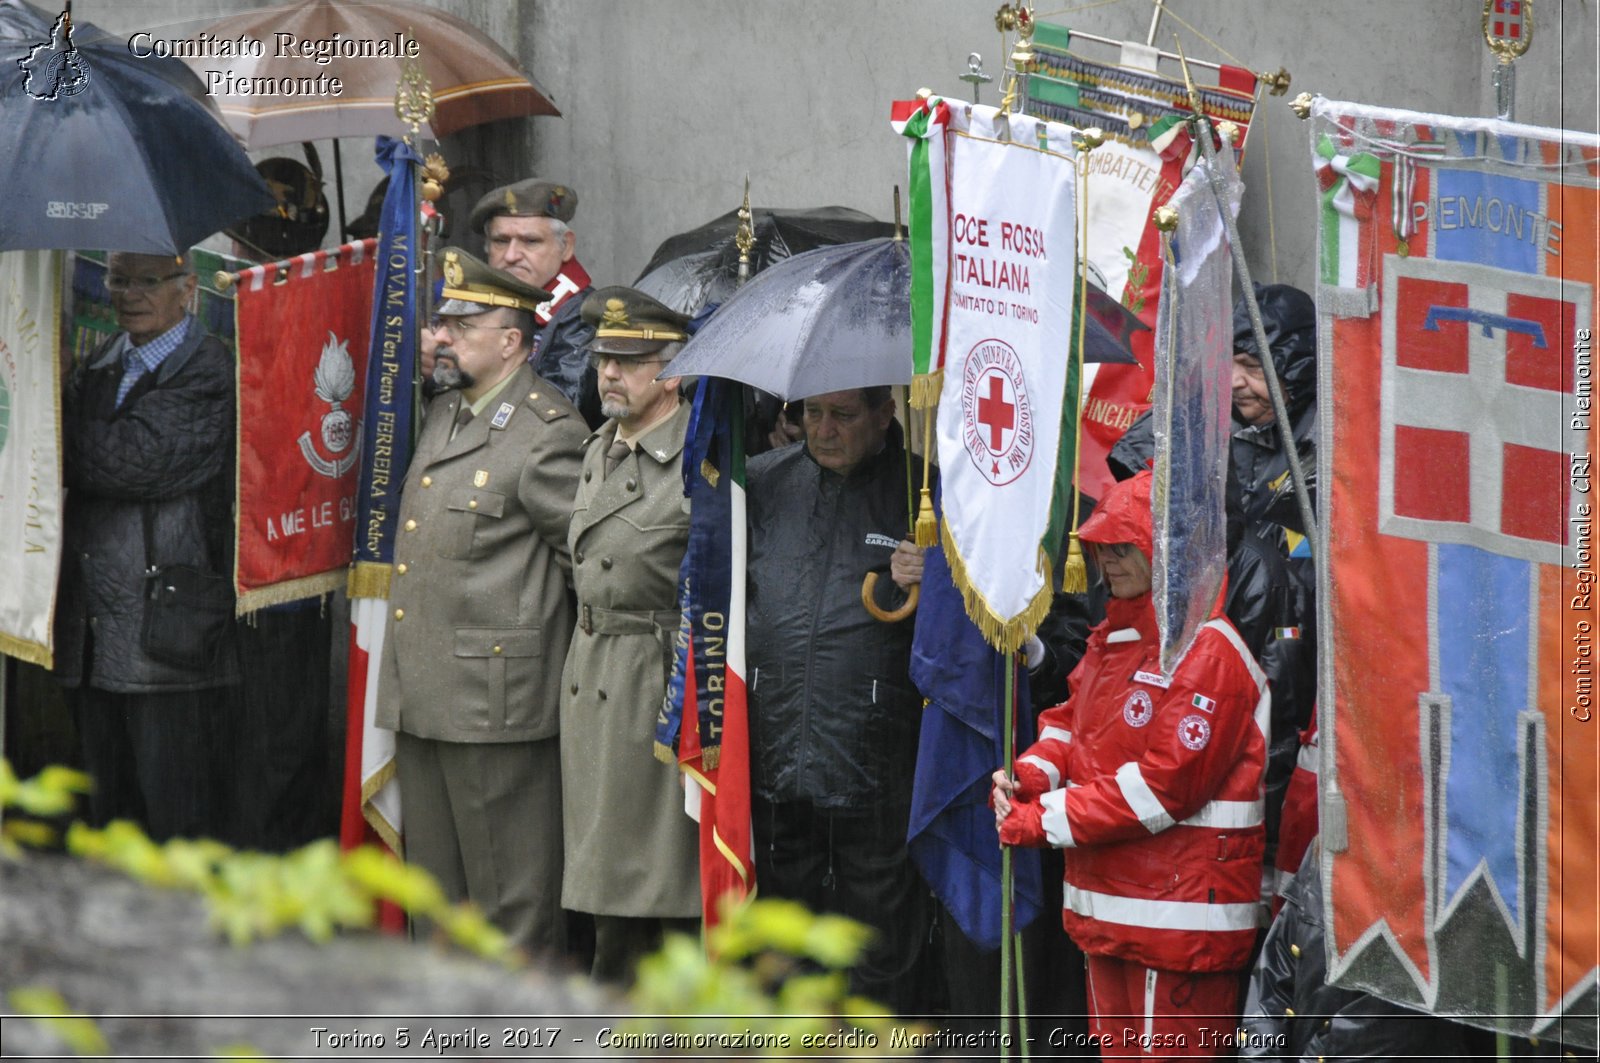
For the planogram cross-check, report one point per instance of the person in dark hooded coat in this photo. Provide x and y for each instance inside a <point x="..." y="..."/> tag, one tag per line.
<point x="1289" y="318"/>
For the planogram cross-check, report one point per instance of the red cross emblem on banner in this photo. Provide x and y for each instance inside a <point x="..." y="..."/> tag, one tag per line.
<point x="995" y="413"/>
<point x="1477" y="388"/>
<point x="997" y="426"/>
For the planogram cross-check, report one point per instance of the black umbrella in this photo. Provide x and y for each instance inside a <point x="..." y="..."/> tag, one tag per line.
<point x="101" y="149"/>
<point x="701" y="266"/>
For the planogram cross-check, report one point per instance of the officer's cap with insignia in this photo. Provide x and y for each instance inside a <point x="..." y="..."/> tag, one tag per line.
<point x="629" y="323"/>
<point x="532" y="198"/>
<point x="474" y="287"/>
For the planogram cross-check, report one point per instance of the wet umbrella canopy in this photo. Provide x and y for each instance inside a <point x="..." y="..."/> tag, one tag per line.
<point x="694" y="269"/>
<point x="838" y="318"/>
<point x="827" y="320"/>
<point x="473" y="79"/>
<point x="103" y="150"/>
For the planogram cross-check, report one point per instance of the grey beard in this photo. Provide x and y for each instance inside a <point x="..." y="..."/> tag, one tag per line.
<point x="448" y="374"/>
<point x="616" y="410"/>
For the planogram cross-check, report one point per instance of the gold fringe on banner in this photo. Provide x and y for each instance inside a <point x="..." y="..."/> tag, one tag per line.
<point x="385" y="829"/>
<point x="925" y="389"/>
<point x="290" y="591"/>
<point x="26" y="650"/>
<point x="369" y="579"/>
<point x="664" y="753"/>
<point x="1007" y="636"/>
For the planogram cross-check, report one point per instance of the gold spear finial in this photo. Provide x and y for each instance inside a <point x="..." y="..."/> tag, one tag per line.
<point x="1165" y="218"/>
<point x="745" y="238"/>
<point x="1276" y="82"/>
<point x="1301" y="105"/>
<point x="413" y="95"/>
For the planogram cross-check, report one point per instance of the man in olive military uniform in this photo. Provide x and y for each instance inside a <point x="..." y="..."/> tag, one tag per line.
<point x="632" y="854"/>
<point x="481" y="612"/>
<point x="526" y="232"/>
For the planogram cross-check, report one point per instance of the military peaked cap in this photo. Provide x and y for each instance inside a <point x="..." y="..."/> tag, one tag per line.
<point x="474" y="287"/>
<point x="629" y="323"/>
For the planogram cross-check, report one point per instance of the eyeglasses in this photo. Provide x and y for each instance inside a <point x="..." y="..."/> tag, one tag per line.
<point x="116" y="282"/>
<point x="457" y="327"/>
<point x="624" y="362"/>
<point x="1118" y="550"/>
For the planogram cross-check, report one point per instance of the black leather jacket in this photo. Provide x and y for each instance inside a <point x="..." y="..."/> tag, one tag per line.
<point x="170" y="446"/>
<point x="834" y="718"/>
<point x="1291" y="1013"/>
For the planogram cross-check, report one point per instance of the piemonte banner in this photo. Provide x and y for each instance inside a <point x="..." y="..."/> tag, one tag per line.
<point x="1008" y="361"/>
<point x="302" y="334"/>
<point x="1459" y="739"/>
<point x="30" y="452"/>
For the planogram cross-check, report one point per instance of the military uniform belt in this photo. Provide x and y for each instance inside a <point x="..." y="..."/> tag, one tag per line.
<point x="596" y="621"/>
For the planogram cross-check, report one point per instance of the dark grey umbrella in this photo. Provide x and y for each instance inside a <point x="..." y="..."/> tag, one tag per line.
<point x="101" y="149"/>
<point x="831" y="319"/>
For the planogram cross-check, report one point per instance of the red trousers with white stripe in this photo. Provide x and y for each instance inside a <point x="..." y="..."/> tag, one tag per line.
<point x="1136" y="1012"/>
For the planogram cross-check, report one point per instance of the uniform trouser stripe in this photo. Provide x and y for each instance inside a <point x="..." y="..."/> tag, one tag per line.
<point x="1149" y="1010"/>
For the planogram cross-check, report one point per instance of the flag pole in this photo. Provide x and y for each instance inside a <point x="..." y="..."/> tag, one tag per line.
<point x="1007" y="955"/>
<point x="1280" y="409"/>
<point x="1074" y="573"/>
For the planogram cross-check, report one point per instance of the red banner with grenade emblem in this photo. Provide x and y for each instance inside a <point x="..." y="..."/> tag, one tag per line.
<point x="302" y="330"/>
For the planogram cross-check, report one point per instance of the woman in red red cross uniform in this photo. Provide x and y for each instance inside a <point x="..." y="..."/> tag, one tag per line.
<point x="1153" y="786"/>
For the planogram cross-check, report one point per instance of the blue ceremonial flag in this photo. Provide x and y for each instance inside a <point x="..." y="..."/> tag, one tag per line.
<point x="391" y="364"/>
<point x="951" y="834"/>
<point x="371" y="795"/>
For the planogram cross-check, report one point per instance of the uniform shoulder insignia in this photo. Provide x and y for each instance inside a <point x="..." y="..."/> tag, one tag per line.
<point x="547" y="410"/>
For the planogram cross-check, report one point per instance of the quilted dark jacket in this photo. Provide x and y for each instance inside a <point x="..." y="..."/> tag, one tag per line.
<point x="169" y="446"/>
<point x="834" y="718"/>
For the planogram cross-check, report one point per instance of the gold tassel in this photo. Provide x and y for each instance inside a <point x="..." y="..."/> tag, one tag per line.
<point x="1074" y="574"/>
<point x="927" y="524"/>
<point x="927" y="529"/>
<point x="664" y="753"/>
<point x="925" y="389"/>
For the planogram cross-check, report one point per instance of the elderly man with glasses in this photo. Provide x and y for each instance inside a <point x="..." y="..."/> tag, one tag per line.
<point x="148" y="431"/>
<point x="481" y="613"/>
<point x="632" y="854"/>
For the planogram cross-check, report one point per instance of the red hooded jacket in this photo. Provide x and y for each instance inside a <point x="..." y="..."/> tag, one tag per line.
<point x="1152" y="784"/>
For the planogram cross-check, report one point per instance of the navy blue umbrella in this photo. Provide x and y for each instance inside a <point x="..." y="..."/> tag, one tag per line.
<point x="101" y="149"/>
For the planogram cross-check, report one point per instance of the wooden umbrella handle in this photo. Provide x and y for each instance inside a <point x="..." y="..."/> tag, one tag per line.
<point x="879" y="613"/>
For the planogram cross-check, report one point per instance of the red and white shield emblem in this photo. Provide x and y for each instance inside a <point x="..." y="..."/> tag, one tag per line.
<point x="1477" y="389"/>
<point x="996" y="416"/>
<point x="1506" y="26"/>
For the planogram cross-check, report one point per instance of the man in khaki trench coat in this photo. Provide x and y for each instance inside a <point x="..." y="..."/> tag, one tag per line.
<point x="632" y="854"/>
<point x="481" y="614"/>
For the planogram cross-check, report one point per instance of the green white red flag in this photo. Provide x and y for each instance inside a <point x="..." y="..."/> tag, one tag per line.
<point x="924" y="123"/>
